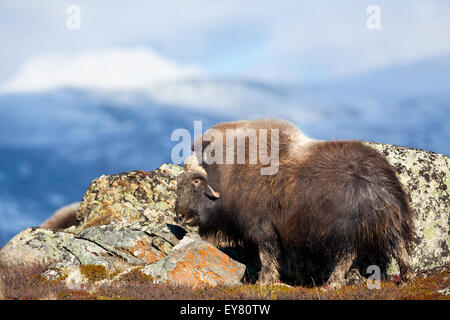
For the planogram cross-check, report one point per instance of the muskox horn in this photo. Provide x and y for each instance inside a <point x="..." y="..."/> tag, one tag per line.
<point x="191" y="164"/>
<point x="214" y="194"/>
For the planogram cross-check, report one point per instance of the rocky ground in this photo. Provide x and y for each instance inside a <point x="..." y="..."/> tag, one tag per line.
<point x="128" y="245"/>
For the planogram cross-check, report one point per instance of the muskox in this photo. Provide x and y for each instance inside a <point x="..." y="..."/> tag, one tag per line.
<point x="62" y="218"/>
<point x="330" y="206"/>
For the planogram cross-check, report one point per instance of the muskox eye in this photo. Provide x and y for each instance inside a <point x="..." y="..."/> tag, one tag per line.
<point x="196" y="182"/>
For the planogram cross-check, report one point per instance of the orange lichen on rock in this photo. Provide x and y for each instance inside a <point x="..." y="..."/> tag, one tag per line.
<point x="143" y="250"/>
<point x="202" y="264"/>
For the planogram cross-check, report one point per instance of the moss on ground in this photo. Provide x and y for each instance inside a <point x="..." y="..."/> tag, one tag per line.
<point x="94" y="272"/>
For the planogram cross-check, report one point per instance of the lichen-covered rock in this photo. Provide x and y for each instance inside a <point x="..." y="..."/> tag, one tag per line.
<point x="126" y="221"/>
<point x="35" y="246"/>
<point x="425" y="176"/>
<point x="112" y="246"/>
<point x="139" y="243"/>
<point x="195" y="262"/>
<point x="130" y="197"/>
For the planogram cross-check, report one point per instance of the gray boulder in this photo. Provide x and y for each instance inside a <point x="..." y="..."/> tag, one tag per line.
<point x="195" y="262"/>
<point x="425" y="176"/>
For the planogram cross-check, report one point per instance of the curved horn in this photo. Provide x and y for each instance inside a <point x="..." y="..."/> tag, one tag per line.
<point x="215" y="194"/>
<point x="191" y="164"/>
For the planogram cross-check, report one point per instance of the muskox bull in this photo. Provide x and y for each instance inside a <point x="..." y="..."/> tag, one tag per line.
<point x="331" y="205"/>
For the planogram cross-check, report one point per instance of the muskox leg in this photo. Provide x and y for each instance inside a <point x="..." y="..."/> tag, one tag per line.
<point x="269" y="254"/>
<point x="402" y="258"/>
<point x="266" y="238"/>
<point x="337" y="277"/>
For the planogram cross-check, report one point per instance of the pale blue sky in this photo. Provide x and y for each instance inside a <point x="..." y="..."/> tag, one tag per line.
<point x="276" y="41"/>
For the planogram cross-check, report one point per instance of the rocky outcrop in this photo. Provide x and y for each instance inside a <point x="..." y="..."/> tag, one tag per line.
<point x="127" y="224"/>
<point x="196" y="262"/>
<point x="425" y="176"/>
<point x="130" y="197"/>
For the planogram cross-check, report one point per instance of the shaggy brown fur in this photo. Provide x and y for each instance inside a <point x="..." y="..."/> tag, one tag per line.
<point x="338" y="205"/>
<point x="62" y="218"/>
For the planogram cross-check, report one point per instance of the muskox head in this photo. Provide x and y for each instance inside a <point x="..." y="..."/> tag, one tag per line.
<point x="196" y="202"/>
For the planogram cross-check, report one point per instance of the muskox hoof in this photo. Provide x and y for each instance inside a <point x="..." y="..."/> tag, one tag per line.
<point x="265" y="281"/>
<point x="407" y="276"/>
<point x="268" y="278"/>
<point x="405" y="280"/>
<point x="281" y="284"/>
<point x="331" y="286"/>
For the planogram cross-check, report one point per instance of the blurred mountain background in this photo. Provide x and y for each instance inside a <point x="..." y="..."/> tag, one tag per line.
<point x="105" y="98"/>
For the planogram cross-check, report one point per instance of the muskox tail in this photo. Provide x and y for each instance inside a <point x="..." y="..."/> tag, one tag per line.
<point x="360" y="200"/>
